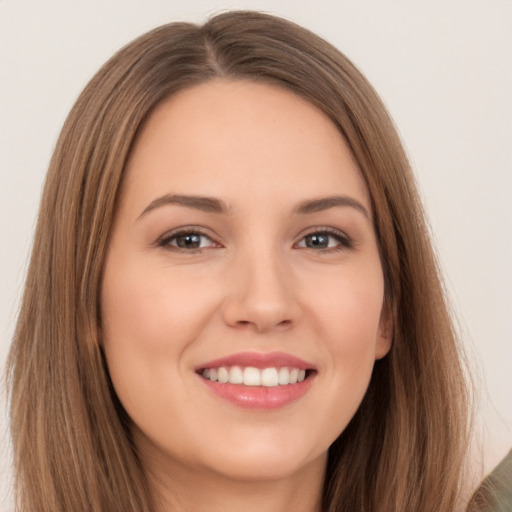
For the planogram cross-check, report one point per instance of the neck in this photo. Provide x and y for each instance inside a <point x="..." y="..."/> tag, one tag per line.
<point x="181" y="489"/>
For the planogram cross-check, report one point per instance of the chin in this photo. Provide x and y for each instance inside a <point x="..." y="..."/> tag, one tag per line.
<point x="262" y="469"/>
<point x="265" y="459"/>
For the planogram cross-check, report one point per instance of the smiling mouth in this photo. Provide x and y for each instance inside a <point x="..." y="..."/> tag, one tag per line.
<point x="252" y="377"/>
<point x="255" y="380"/>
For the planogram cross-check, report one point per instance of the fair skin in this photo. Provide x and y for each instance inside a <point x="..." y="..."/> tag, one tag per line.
<point x="264" y="266"/>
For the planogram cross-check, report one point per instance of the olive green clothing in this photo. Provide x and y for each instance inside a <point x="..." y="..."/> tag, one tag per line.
<point x="495" y="492"/>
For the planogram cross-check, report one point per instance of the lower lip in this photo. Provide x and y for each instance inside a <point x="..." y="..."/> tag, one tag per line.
<point x="260" y="397"/>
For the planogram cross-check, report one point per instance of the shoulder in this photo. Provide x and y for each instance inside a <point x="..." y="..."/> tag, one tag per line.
<point x="495" y="492"/>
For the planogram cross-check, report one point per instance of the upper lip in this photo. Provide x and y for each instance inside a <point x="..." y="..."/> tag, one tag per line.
<point x="259" y="360"/>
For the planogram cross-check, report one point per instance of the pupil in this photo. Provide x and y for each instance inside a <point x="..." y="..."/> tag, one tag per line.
<point x="189" y="241"/>
<point x="316" y="241"/>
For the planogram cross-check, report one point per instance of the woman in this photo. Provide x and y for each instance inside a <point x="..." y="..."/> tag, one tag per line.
<point x="232" y="299"/>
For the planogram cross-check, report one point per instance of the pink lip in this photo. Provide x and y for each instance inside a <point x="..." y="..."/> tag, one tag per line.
<point x="259" y="397"/>
<point x="259" y="360"/>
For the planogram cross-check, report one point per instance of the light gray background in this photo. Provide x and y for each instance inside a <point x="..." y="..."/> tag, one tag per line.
<point x="443" y="69"/>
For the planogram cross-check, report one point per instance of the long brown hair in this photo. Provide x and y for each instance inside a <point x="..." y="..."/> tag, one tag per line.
<point x="404" y="449"/>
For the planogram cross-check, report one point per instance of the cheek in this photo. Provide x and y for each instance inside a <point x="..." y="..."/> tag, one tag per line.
<point x="151" y="316"/>
<point x="348" y="309"/>
<point x="147" y="306"/>
<point x="347" y="314"/>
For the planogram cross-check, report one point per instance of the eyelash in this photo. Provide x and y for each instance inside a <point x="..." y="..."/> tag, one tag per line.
<point x="343" y="241"/>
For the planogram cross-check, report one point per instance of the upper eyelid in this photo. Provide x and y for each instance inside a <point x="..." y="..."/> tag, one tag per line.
<point x="201" y="230"/>
<point x="198" y="230"/>
<point x="324" y="229"/>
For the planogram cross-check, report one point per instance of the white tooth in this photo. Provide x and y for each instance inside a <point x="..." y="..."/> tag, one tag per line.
<point x="284" y="376"/>
<point x="301" y="376"/>
<point x="206" y="373"/>
<point x="269" y="377"/>
<point x="252" y="376"/>
<point x="235" y="375"/>
<point x="213" y="374"/>
<point x="223" y="375"/>
<point x="294" y="374"/>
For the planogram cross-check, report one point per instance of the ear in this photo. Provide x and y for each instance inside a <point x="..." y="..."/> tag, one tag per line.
<point x="385" y="332"/>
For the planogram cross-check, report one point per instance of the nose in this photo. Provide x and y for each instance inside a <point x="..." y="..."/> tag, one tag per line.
<point x="262" y="294"/>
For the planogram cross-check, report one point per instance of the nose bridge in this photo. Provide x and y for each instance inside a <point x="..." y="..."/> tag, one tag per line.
<point x="262" y="293"/>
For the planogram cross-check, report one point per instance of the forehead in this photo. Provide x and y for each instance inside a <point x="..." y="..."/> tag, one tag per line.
<point x="223" y="137"/>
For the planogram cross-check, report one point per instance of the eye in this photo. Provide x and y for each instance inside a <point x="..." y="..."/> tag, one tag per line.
<point x="187" y="240"/>
<point x="325" y="240"/>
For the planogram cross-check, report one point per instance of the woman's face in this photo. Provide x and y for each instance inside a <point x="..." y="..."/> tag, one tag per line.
<point x="242" y="251"/>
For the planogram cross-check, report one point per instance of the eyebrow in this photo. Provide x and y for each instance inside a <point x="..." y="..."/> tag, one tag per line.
<point x="204" y="204"/>
<point x="325" y="203"/>
<point x="214" y="205"/>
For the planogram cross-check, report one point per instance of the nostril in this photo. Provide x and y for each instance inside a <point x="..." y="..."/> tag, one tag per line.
<point x="260" y="315"/>
<point x="259" y="325"/>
